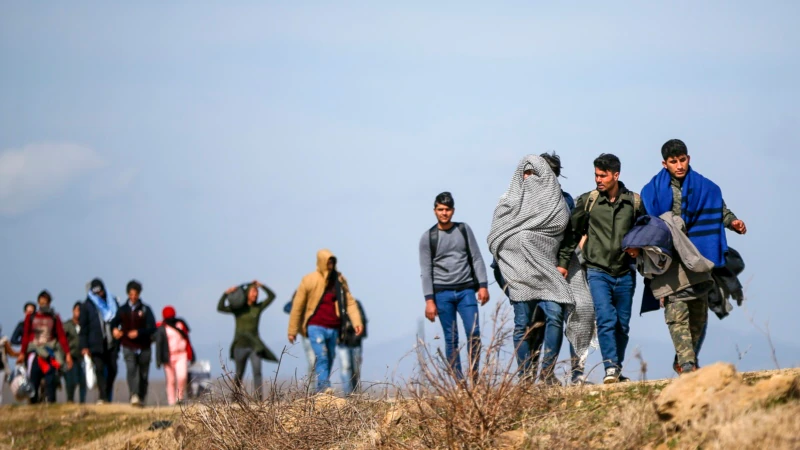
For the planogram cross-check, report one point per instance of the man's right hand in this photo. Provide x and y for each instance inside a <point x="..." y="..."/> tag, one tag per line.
<point x="430" y="310"/>
<point x="292" y="338"/>
<point x="85" y="352"/>
<point x="564" y="272"/>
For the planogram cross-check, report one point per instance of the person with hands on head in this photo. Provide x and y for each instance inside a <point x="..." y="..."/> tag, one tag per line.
<point x="247" y="343"/>
<point x="321" y="309"/>
<point x="454" y="282"/>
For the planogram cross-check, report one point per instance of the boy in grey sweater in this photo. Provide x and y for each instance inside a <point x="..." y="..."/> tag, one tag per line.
<point x="452" y="270"/>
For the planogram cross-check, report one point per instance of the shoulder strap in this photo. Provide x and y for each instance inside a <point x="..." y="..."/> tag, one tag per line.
<point x="591" y="200"/>
<point x="463" y="229"/>
<point x="637" y="203"/>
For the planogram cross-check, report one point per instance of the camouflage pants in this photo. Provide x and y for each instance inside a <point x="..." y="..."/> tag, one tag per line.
<point x="685" y="320"/>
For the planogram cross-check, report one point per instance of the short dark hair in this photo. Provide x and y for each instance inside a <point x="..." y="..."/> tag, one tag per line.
<point x="446" y="199"/>
<point x="45" y="294"/>
<point x="554" y="161"/>
<point x="77" y="305"/>
<point x="135" y="285"/>
<point x="608" y="163"/>
<point x="673" y="148"/>
<point x="31" y="304"/>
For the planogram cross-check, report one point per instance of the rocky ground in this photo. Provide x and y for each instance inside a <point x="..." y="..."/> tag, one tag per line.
<point x="715" y="407"/>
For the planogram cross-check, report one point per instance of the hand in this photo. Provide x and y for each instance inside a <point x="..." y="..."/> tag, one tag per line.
<point x="564" y="272"/>
<point x="85" y="352"/>
<point x="117" y="333"/>
<point x="430" y="310"/>
<point x="291" y="338"/>
<point x="133" y="334"/>
<point x="255" y="282"/>
<point x="231" y="289"/>
<point x="359" y="330"/>
<point x="739" y="226"/>
<point x="69" y="362"/>
<point x="483" y="296"/>
<point x="20" y="358"/>
<point x="661" y="302"/>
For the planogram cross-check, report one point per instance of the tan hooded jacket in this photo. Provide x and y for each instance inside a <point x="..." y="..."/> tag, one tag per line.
<point x="309" y="294"/>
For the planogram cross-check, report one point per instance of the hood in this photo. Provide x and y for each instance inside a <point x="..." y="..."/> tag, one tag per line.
<point x="322" y="261"/>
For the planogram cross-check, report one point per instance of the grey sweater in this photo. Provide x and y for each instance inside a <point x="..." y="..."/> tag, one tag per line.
<point x="451" y="267"/>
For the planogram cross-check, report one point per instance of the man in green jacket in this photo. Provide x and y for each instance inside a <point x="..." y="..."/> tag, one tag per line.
<point x="75" y="377"/>
<point x="604" y="216"/>
<point x="247" y="344"/>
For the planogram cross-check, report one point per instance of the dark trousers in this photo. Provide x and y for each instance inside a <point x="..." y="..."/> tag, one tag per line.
<point x="76" y="378"/>
<point x="36" y="377"/>
<point x="138" y="364"/>
<point x="105" y="368"/>
<point x="240" y="357"/>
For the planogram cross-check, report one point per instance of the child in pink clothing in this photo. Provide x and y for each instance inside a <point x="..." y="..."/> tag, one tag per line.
<point x="174" y="351"/>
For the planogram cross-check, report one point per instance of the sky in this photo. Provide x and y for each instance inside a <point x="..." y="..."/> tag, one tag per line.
<point x="193" y="146"/>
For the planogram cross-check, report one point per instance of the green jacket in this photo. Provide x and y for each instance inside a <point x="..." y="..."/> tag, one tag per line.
<point x="605" y="227"/>
<point x="247" y="320"/>
<point x="73" y="339"/>
<point x="677" y="199"/>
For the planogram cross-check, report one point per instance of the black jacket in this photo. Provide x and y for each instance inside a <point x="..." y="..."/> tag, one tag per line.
<point x="92" y="335"/>
<point x="141" y="319"/>
<point x="16" y="338"/>
<point x="162" y="344"/>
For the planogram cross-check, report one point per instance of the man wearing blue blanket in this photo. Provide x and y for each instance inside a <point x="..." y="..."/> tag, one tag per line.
<point x="698" y="201"/>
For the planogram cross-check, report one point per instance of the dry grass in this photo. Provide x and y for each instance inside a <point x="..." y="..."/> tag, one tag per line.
<point x="495" y="409"/>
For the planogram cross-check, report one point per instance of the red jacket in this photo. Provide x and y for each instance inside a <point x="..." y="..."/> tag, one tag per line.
<point x="39" y="323"/>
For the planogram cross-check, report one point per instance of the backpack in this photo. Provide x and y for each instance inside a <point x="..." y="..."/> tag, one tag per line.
<point x="590" y="202"/>
<point x="433" y="234"/>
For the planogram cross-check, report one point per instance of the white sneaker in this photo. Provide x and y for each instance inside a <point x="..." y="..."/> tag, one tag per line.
<point x="612" y="376"/>
<point x="135" y="400"/>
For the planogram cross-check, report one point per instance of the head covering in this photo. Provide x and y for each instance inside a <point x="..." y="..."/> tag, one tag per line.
<point x="97" y="285"/>
<point x="168" y="312"/>
<point x="526" y="232"/>
<point x="527" y="228"/>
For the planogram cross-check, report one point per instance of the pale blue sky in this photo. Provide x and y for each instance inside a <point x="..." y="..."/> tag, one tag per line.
<point x="193" y="146"/>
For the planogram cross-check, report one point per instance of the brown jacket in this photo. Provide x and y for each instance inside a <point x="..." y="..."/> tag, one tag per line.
<point x="309" y="294"/>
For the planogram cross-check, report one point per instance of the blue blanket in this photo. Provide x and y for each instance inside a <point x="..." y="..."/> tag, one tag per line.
<point x="107" y="307"/>
<point x="701" y="210"/>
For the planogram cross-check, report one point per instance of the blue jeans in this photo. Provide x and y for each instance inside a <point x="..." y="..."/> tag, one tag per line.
<point x="613" y="300"/>
<point x="523" y="346"/>
<point x="350" y="358"/>
<point x="323" y="342"/>
<point x="466" y="305"/>
<point x="553" y="338"/>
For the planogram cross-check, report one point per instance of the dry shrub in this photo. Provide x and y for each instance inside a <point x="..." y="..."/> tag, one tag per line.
<point x="472" y="413"/>
<point x="290" y="418"/>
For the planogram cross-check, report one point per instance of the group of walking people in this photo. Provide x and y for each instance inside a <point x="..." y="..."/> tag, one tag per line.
<point x="571" y="265"/>
<point x="84" y="349"/>
<point x="323" y="315"/>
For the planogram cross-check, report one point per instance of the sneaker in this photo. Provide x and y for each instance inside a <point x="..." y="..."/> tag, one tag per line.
<point x="612" y="376"/>
<point x="135" y="400"/>
<point x="688" y="367"/>
<point x="100" y="402"/>
<point x="676" y="367"/>
<point x="623" y="378"/>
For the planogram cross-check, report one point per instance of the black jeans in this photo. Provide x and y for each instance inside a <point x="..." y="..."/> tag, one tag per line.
<point x="36" y="377"/>
<point x="240" y="357"/>
<point x="76" y="378"/>
<point x="105" y="368"/>
<point x="138" y="365"/>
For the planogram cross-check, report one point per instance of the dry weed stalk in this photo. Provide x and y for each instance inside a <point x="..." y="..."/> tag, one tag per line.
<point x="473" y="412"/>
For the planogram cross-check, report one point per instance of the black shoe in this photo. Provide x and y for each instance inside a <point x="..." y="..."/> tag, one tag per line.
<point x="612" y="376"/>
<point x="687" y="368"/>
